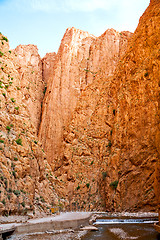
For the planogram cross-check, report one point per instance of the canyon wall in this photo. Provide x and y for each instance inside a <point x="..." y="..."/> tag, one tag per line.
<point x="109" y="146"/>
<point x="26" y="179"/>
<point x="95" y="108"/>
<point x="80" y="58"/>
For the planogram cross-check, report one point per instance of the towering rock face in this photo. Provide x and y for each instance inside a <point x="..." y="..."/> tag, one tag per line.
<point x="99" y="123"/>
<point x="63" y="90"/>
<point x="80" y="58"/>
<point x="26" y="179"/>
<point x="135" y="86"/>
<point x="31" y="82"/>
<point x="109" y="147"/>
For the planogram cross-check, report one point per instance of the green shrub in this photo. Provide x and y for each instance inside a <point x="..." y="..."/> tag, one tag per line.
<point x="146" y="74"/>
<point x="114" y="112"/>
<point x="17" y="108"/>
<point x="13" y="100"/>
<point x="8" y="128"/>
<point x="4" y="38"/>
<point x="42" y="199"/>
<point x="3" y="201"/>
<point x="114" y="184"/>
<point x="1" y="141"/>
<point x="92" y="162"/>
<point x="104" y="175"/>
<point x="14" y="173"/>
<point x="23" y="204"/>
<point x="5" y="183"/>
<point x="16" y="159"/>
<point x="1" y="54"/>
<point x="87" y="185"/>
<point x="16" y="192"/>
<point x="19" y="141"/>
<point x="1" y="177"/>
<point x="78" y="187"/>
<point x="44" y="90"/>
<point x="3" y="94"/>
<point x="9" y="190"/>
<point x="109" y="144"/>
<point x="9" y="51"/>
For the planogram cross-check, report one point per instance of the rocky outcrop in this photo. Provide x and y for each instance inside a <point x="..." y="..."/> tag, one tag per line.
<point x="47" y="67"/>
<point x="26" y="179"/>
<point x="80" y="58"/>
<point x="109" y="146"/>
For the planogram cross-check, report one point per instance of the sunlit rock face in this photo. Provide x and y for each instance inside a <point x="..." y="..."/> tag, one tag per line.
<point x="81" y="57"/>
<point x="26" y="179"/>
<point x="95" y="108"/>
<point x="47" y="67"/>
<point x="110" y="152"/>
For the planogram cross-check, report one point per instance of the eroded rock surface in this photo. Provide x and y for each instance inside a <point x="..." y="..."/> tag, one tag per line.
<point x="26" y="179"/>
<point x="109" y="146"/>
<point x="99" y="123"/>
<point x="80" y="58"/>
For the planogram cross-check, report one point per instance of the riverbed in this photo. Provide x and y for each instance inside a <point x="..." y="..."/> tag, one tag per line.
<point x="110" y="227"/>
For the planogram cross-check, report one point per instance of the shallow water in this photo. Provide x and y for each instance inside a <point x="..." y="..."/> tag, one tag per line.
<point x="124" y="229"/>
<point x="110" y="228"/>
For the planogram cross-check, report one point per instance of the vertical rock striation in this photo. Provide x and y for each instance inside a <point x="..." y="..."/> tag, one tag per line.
<point x="47" y="67"/>
<point x="26" y="179"/>
<point x="80" y="58"/>
<point x="109" y="146"/>
<point x="31" y="82"/>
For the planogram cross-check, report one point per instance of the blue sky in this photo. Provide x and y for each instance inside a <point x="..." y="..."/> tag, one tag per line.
<point x="43" y="22"/>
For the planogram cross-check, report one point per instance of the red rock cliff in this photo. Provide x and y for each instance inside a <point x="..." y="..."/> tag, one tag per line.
<point x="109" y="147"/>
<point x="26" y="179"/>
<point x="80" y="58"/>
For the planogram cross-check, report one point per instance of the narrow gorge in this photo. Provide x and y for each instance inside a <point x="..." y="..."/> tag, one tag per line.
<point x="79" y="130"/>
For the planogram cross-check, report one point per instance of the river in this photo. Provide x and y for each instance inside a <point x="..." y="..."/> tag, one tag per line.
<point x="109" y="228"/>
<point x="124" y="229"/>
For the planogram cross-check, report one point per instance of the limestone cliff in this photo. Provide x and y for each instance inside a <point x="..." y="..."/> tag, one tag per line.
<point x="98" y="124"/>
<point x="31" y="83"/>
<point x="109" y="146"/>
<point x="80" y="58"/>
<point x="26" y="179"/>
